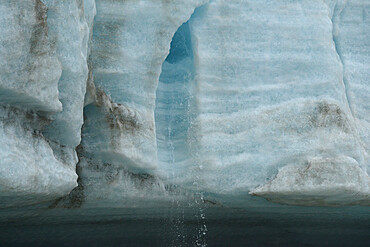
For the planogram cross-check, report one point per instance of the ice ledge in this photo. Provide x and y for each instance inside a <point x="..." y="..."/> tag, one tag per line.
<point x="119" y="134"/>
<point x="322" y="182"/>
<point x="30" y="171"/>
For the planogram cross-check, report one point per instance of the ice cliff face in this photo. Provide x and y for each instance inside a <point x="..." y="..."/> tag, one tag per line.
<point x="130" y="100"/>
<point x="282" y="100"/>
<point x="30" y="68"/>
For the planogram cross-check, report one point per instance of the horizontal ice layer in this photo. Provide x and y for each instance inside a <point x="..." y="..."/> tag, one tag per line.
<point x="34" y="168"/>
<point x="270" y="92"/>
<point x="29" y="171"/>
<point x="130" y="41"/>
<point x="29" y="68"/>
<point x="323" y="181"/>
<point x="69" y="30"/>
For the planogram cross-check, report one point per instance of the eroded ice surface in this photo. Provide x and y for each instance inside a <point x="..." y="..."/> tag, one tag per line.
<point x="69" y="31"/>
<point x="273" y="96"/>
<point x="130" y="43"/>
<point x="163" y="98"/>
<point x="29" y="171"/>
<point x="322" y="181"/>
<point x="30" y="70"/>
<point x="351" y="34"/>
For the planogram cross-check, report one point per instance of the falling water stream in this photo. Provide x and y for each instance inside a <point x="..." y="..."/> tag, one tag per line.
<point x="173" y="117"/>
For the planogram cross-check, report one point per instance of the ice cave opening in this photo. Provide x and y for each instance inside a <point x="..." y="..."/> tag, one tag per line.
<point x="173" y="114"/>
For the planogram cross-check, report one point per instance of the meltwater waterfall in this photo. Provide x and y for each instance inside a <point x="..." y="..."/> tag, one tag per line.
<point x="173" y="114"/>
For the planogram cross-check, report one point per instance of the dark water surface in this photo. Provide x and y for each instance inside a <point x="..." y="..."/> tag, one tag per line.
<point x="188" y="226"/>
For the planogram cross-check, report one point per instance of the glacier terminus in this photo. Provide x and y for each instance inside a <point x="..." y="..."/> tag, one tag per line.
<point x="143" y="103"/>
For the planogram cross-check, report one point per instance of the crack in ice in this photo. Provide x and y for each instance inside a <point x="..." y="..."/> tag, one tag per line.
<point x="335" y="32"/>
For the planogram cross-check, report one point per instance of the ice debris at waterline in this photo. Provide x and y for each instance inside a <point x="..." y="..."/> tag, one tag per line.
<point x="126" y="101"/>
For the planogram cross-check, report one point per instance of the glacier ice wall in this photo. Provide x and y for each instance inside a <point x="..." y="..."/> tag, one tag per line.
<point x="351" y="20"/>
<point x="276" y="98"/>
<point x="30" y="172"/>
<point x="143" y="99"/>
<point x="130" y="42"/>
<point x="30" y="69"/>
<point x="43" y="83"/>
<point x="69" y="32"/>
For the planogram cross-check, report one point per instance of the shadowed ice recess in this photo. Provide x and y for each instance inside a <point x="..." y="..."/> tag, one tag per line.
<point x="173" y="113"/>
